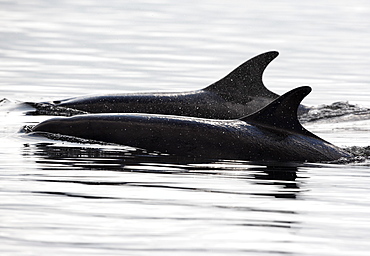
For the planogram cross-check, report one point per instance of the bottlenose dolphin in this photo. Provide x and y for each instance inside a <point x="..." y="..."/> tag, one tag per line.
<point x="238" y="94"/>
<point x="270" y="134"/>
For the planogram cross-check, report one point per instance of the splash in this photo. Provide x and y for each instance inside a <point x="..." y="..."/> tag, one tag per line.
<point x="55" y="136"/>
<point x="52" y="110"/>
<point x="337" y="112"/>
<point x="360" y="155"/>
<point x="3" y="101"/>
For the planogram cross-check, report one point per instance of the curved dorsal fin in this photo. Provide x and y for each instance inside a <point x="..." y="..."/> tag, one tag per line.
<point x="281" y="114"/>
<point x="246" y="79"/>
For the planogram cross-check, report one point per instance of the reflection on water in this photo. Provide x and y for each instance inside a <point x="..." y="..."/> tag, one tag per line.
<point x="147" y="200"/>
<point x="283" y="179"/>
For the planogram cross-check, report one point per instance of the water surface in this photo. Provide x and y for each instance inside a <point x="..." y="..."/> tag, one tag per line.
<point x="68" y="198"/>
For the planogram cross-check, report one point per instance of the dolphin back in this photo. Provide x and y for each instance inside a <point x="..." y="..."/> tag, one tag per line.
<point x="240" y="93"/>
<point x="272" y="133"/>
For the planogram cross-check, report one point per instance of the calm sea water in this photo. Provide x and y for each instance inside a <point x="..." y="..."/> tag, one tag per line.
<point x="63" y="198"/>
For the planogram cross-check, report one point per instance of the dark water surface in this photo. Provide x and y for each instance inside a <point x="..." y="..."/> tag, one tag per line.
<point x="70" y="198"/>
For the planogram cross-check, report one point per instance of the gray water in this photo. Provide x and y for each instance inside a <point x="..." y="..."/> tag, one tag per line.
<point x="68" y="198"/>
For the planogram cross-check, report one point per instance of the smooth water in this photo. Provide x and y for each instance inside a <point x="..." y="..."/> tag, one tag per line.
<point x="66" y="198"/>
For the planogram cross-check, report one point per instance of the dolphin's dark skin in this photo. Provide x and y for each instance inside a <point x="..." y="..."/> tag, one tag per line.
<point x="271" y="134"/>
<point x="240" y="93"/>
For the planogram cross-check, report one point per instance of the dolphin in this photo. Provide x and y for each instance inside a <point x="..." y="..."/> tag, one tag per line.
<point x="270" y="134"/>
<point x="238" y="94"/>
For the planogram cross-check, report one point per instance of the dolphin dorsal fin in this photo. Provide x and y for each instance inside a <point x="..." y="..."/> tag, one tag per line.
<point x="246" y="79"/>
<point x="282" y="113"/>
